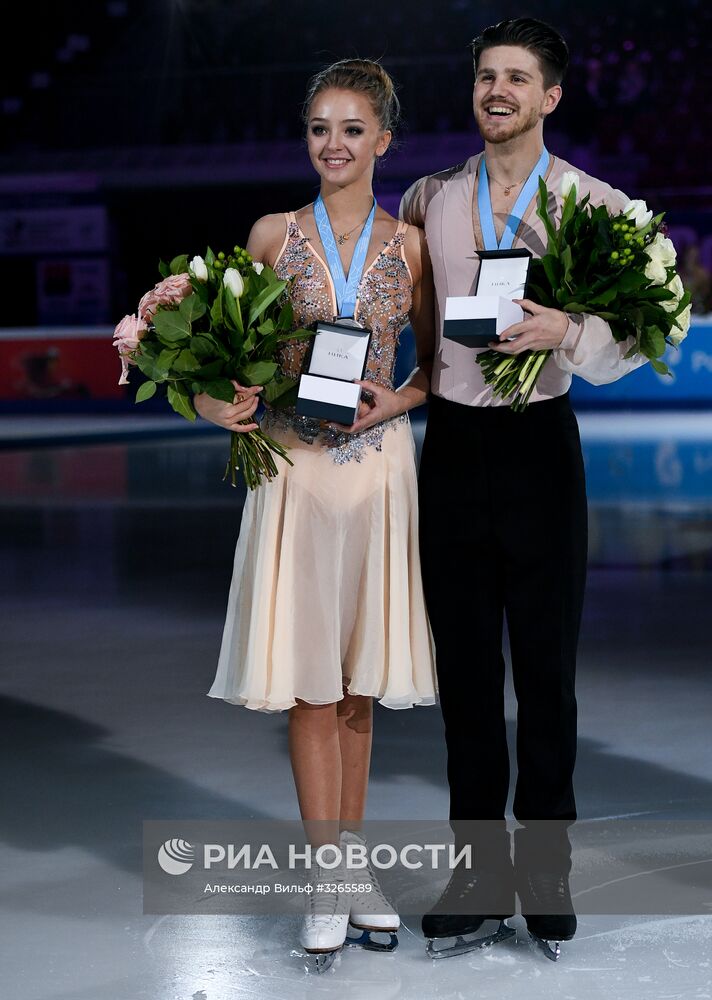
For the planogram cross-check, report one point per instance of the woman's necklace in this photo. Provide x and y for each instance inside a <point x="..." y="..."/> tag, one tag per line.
<point x="342" y="237"/>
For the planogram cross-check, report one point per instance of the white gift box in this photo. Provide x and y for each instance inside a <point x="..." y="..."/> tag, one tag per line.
<point x="475" y="320"/>
<point x="327" y="389"/>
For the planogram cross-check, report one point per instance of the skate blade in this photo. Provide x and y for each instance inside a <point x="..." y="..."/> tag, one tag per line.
<point x="319" y="962"/>
<point x="551" y="948"/>
<point x="463" y="944"/>
<point x="366" y="939"/>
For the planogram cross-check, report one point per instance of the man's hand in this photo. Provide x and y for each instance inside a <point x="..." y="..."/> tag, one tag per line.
<point x="229" y="415"/>
<point x="384" y="404"/>
<point x="542" y="331"/>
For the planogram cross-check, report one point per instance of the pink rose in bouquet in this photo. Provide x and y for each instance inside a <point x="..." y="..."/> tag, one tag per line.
<point x="169" y="292"/>
<point x="127" y="336"/>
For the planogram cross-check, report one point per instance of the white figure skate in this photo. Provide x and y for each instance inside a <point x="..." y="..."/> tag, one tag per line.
<point x="370" y="913"/>
<point x="326" y="919"/>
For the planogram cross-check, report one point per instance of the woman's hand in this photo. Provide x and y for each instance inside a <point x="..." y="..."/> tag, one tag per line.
<point x="229" y="415"/>
<point x="382" y="405"/>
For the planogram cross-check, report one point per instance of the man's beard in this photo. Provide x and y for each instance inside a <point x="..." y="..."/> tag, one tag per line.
<point x="506" y="136"/>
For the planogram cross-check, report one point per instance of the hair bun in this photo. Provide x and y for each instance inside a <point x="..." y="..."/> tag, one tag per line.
<point x="365" y="76"/>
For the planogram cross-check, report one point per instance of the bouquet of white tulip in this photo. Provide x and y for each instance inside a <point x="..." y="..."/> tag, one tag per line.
<point x="208" y="322"/>
<point x="619" y="267"/>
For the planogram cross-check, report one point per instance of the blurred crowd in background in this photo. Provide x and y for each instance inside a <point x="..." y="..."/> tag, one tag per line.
<point x="106" y="80"/>
<point x="136" y="71"/>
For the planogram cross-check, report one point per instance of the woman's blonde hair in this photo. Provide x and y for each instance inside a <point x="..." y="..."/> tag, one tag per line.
<point x="365" y="76"/>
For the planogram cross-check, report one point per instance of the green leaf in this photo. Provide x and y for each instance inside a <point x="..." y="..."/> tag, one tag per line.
<point x="652" y="342"/>
<point x="171" y="327"/>
<point x="264" y="299"/>
<point x="152" y="348"/>
<point x="202" y="290"/>
<point x="233" y="310"/>
<point x="203" y="346"/>
<point x="248" y="343"/>
<point x="212" y="370"/>
<point x="209" y="257"/>
<point x="258" y="372"/>
<point x="268" y="275"/>
<point x="207" y="346"/>
<point x="192" y="308"/>
<point x="603" y="298"/>
<point x="567" y="262"/>
<point x="163" y="269"/>
<point x="278" y="388"/>
<point x="286" y="316"/>
<point x="638" y="319"/>
<point x="179" y="264"/>
<point x="167" y="357"/>
<point x="583" y="204"/>
<point x="266" y="328"/>
<point x="551" y="267"/>
<point x="186" y="362"/>
<point x="660" y="367"/>
<point x="220" y="388"/>
<point x="568" y="206"/>
<point x="543" y="212"/>
<point x="630" y="280"/>
<point x="150" y="368"/>
<point x="145" y="391"/>
<point x="300" y="334"/>
<point x="216" y="310"/>
<point x="538" y="293"/>
<point x="656" y="293"/>
<point x="562" y="295"/>
<point x="181" y="402"/>
<point x="682" y="305"/>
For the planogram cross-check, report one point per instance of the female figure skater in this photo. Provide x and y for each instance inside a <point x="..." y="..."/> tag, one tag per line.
<point x="326" y="609"/>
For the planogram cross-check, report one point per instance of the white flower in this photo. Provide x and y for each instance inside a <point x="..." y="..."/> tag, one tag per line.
<point x="675" y="285"/>
<point x="232" y="279"/>
<point x="659" y="254"/>
<point x="655" y="272"/>
<point x="570" y="180"/>
<point x="678" y="333"/>
<point x="198" y="269"/>
<point x="258" y="266"/>
<point x="637" y="211"/>
<point x="666" y="249"/>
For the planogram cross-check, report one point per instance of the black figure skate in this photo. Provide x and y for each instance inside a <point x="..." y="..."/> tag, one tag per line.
<point x="547" y="910"/>
<point x="455" y="918"/>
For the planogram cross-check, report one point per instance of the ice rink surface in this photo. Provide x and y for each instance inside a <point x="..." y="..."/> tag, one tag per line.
<point x="115" y="568"/>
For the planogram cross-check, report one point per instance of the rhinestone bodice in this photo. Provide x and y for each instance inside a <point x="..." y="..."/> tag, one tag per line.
<point x="384" y="300"/>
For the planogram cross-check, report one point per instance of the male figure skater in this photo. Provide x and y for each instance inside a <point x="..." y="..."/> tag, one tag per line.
<point x="503" y="507"/>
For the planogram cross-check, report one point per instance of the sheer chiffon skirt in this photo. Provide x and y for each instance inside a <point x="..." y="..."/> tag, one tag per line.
<point x="326" y="591"/>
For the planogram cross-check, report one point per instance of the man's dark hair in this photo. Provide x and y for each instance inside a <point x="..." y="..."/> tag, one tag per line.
<point x="540" y="38"/>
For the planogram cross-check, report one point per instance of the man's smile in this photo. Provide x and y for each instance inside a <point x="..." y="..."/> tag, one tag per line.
<point x="499" y="111"/>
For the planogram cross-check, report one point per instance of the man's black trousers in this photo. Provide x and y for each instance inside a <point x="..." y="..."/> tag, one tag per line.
<point x="503" y="533"/>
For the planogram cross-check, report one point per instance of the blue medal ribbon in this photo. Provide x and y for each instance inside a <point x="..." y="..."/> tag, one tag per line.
<point x="346" y="291"/>
<point x="484" y="204"/>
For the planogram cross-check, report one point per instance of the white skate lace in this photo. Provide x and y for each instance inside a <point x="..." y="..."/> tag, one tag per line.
<point x="372" y="901"/>
<point x="323" y="903"/>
